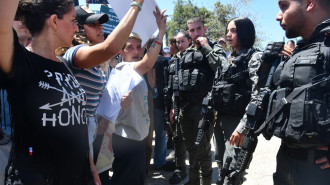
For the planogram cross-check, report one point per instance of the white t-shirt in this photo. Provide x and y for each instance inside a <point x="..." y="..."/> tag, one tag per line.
<point x="133" y="122"/>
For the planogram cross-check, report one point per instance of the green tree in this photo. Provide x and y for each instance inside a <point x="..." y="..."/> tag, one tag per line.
<point x="216" y="20"/>
<point x="182" y="12"/>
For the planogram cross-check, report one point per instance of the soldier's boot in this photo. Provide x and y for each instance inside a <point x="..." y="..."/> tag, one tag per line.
<point x="178" y="176"/>
<point x="193" y="176"/>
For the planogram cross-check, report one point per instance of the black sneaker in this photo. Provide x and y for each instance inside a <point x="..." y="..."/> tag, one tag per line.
<point x="178" y="176"/>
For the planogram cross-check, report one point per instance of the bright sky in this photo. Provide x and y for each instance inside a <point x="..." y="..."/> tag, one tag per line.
<point x="263" y="14"/>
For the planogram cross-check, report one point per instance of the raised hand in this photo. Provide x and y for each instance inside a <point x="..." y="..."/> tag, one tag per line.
<point x="160" y="19"/>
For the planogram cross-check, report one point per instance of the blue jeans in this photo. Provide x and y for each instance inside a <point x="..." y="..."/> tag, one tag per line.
<point x="5" y="115"/>
<point x="160" y="138"/>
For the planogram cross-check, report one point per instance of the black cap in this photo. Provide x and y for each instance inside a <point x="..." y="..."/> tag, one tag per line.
<point x="86" y="16"/>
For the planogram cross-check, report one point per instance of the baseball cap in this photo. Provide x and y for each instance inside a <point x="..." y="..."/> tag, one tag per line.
<point x="86" y="16"/>
<point x="166" y="50"/>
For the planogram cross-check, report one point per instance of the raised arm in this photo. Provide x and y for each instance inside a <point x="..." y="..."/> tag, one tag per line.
<point x="7" y="13"/>
<point x="150" y="57"/>
<point x="91" y="56"/>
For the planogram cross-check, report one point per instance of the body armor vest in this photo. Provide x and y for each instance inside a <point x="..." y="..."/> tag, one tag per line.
<point x="232" y="86"/>
<point x="305" y="121"/>
<point x="195" y="76"/>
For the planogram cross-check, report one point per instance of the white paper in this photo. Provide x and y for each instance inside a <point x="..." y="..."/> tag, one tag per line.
<point x="145" y="25"/>
<point x="119" y="84"/>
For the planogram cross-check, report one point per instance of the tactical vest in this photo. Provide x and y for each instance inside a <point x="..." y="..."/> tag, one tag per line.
<point x="232" y="87"/>
<point x="195" y="76"/>
<point x="305" y="121"/>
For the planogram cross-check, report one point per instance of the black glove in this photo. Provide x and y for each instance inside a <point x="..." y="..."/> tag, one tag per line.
<point x="272" y="50"/>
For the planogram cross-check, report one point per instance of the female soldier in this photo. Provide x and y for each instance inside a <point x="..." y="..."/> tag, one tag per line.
<point x="183" y="41"/>
<point x="235" y="81"/>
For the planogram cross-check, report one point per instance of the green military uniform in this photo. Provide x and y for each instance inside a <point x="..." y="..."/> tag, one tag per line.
<point x="191" y="107"/>
<point x="230" y="120"/>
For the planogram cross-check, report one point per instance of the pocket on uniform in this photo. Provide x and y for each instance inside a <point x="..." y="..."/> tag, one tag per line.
<point x="321" y="111"/>
<point x="194" y="80"/>
<point x="296" y="119"/>
<point x="305" y="69"/>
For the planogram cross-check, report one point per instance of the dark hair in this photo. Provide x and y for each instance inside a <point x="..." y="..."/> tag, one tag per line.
<point x="246" y="33"/>
<point x="185" y="33"/>
<point x="172" y="40"/>
<point x="34" y="13"/>
<point x="292" y="42"/>
<point x="80" y="37"/>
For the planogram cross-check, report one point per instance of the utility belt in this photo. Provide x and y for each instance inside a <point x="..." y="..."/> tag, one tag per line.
<point x="303" y="154"/>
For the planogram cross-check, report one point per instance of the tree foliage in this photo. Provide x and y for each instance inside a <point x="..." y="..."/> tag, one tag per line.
<point x="216" y="20"/>
<point x="182" y="12"/>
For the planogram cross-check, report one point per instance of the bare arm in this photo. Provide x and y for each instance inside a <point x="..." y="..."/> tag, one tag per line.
<point x="149" y="59"/>
<point x="94" y="172"/>
<point x="91" y="56"/>
<point x="7" y="13"/>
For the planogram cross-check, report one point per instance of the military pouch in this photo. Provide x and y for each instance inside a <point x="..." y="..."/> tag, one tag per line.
<point x="187" y="61"/>
<point x="224" y="95"/>
<point x="305" y="68"/>
<point x="309" y="119"/>
<point x="192" y="80"/>
<point x="184" y="80"/>
<point x="277" y="125"/>
<point x="317" y="111"/>
<point x="296" y="125"/>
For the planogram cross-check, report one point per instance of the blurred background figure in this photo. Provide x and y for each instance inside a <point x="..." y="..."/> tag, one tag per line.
<point x="291" y="44"/>
<point x="173" y="48"/>
<point x="167" y="53"/>
<point x="222" y="42"/>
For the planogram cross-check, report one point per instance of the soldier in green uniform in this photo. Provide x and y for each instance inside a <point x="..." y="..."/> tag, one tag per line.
<point x="196" y="73"/>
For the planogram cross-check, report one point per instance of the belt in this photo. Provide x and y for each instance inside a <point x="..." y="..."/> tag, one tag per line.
<point x="303" y="154"/>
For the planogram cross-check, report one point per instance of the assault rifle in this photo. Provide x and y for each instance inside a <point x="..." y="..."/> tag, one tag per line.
<point x="176" y="106"/>
<point x="207" y="117"/>
<point x="203" y="126"/>
<point x="256" y="115"/>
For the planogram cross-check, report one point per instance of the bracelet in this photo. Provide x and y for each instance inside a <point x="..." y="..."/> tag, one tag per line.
<point x="158" y="42"/>
<point x="136" y="4"/>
